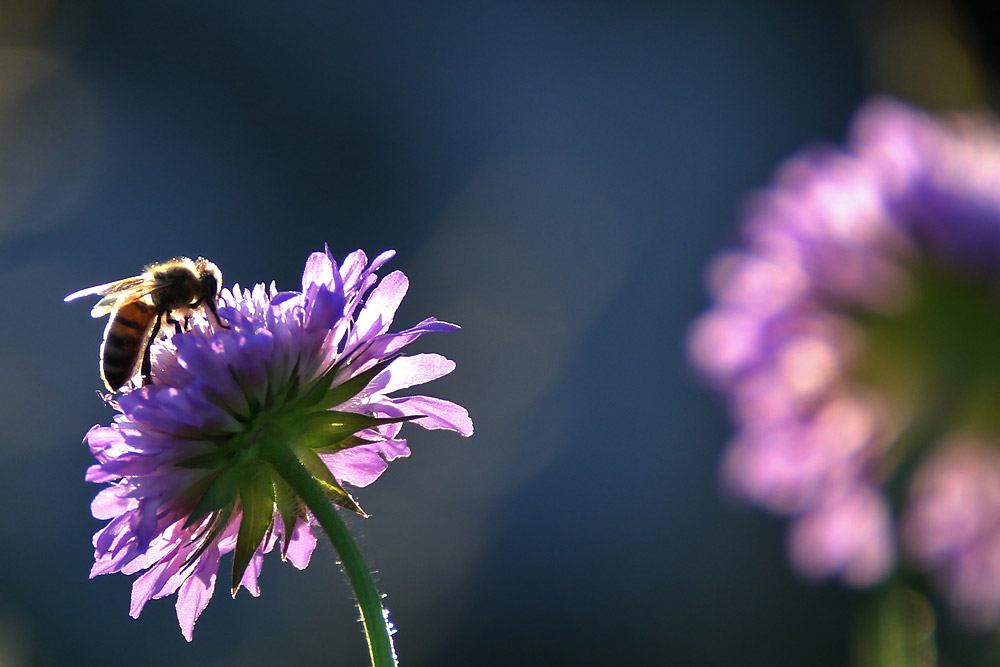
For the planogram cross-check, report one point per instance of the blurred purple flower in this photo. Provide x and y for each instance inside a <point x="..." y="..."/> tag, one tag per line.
<point x="853" y="335"/>
<point x="314" y="368"/>
<point x="952" y="526"/>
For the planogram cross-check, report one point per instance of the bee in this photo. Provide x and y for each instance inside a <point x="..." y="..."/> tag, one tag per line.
<point x="140" y="305"/>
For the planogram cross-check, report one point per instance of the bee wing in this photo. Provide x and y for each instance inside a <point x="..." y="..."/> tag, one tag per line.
<point x="127" y="289"/>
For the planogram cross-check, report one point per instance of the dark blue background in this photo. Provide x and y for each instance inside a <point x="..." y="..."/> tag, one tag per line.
<point x="554" y="176"/>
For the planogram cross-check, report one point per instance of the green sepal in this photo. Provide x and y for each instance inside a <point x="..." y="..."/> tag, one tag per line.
<point x="219" y="495"/>
<point x="334" y="492"/>
<point x="289" y="509"/>
<point x="223" y="404"/>
<point x="218" y="525"/>
<point x="327" y="428"/>
<point x="210" y="461"/>
<point x="291" y="390"/>
<point x="282" y="395"/>
<point x="321" y="391"/>
<point x="257" y="501"/>
<point x="253" y="404"/>
<point x="347" y="443"/>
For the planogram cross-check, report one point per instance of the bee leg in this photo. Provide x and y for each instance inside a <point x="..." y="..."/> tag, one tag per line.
<point x="215" y="311"/>
<point x="147" y="363"/>
<point x="177" y="325"/>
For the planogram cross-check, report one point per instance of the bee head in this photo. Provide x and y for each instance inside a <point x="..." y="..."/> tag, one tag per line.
<point x="210" y="277"/>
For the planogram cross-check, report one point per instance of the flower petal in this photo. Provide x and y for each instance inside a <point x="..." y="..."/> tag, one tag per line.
<point x="301" y="545"/>
<point x="362" y="465"/>
<point x="409" y="371"/>
<point x="318" y="271"/>
<point x="376" y="316"/>
<point x="439" y="413"/>
<point x="196" y="591"/>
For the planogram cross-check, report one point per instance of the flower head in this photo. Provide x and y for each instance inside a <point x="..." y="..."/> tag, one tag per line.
<point x="854" y="338"/>
<point x="188" y="461"/>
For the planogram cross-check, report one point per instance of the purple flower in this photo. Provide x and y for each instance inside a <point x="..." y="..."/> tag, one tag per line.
<point x="315" y="371"/>
<point x="952" y="526"/>
<point x="854" y="336"/>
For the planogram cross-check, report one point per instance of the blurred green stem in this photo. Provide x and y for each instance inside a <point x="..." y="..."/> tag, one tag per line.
<point x="895" y="628"/>
<point x="374" y="616"/>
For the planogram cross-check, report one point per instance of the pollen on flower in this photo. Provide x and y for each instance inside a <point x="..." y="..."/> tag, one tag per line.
<point x="189" y="460"/>
<point x="853" y="338"/>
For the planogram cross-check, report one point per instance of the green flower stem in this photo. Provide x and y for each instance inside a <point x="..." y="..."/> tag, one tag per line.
<point x="373" y="615"/>
<point x="896" y="628"/>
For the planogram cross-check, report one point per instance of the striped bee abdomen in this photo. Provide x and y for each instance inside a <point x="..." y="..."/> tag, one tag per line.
<point x="124" y="341"/>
